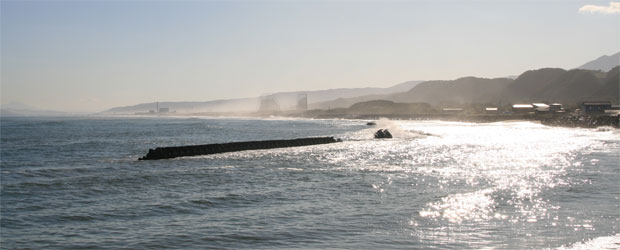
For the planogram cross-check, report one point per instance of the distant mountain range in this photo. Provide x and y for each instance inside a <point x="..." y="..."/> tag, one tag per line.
<point x="603" y="63"/>
<point x="598" y="80"/>
<point x="594" y="80"/>
<point x="542" y="85"/>
<point x="286" y="100"/>
<point x="462" y="90"/>
<point x="459" y="91"/>
<point x="21" y="109"/>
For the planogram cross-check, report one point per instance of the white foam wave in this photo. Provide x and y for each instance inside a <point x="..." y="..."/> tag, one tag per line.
<point x="604" y="242"/>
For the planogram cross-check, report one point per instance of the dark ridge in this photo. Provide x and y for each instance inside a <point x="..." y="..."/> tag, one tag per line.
<point x="207" y="149"/>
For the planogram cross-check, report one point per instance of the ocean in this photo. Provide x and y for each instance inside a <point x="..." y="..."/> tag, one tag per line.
<point x="75" y="182"/>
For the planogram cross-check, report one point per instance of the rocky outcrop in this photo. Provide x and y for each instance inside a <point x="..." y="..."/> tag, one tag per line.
<point x="382" y="134"/>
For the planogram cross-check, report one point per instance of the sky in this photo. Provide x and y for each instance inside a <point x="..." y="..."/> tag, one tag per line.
<point x="88" y="56"/>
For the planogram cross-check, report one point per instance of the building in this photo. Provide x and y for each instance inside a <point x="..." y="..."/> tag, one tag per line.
<point x="164" y="110"/>
<point x="452" y="110"/>
<point x="302" y="102"/>
<point x="556" y="107"/>
<point x="522" y="108"/>
<point x="491" y="111"/>
<point x="541" y="108"/>
<point x="595" y="107"/>
<point x="268" y="105"/>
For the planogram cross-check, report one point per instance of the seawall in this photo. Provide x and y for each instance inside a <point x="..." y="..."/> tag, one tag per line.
<point x="207" y="149"/>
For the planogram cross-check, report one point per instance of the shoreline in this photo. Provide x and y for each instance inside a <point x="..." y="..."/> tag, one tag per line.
<point x="555" y="120"/>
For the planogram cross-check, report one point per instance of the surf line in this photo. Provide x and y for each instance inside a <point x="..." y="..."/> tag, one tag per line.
<point x="217" y="148"/>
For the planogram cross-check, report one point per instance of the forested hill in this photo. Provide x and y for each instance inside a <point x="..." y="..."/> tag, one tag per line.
<point x="541" y="85"/>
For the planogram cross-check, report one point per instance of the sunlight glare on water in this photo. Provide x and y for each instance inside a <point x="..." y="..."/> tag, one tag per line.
<point x="436" y="185"/>
<point x="502" y="164"/>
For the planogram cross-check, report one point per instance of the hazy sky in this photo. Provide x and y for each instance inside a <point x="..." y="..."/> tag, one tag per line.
<point x="90" y="56"/>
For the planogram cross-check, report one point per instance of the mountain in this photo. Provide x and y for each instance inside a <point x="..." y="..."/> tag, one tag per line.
<point x="573" y="86"/>
<point x="286" y="100"/>
<point x="347" y="102"/>
<point x="558" y="85"/>
<point x="595" y="80"/>
<point x="460" y="91"/>
<point x="524" y="89"/>
<point x="611" y="87"/>
<point x="388" y="108"/>
<point x="541" y="85"/>
<point x="231" y="105"/>
<point x="21" y="109"/>
<point x="344" y="102"/>
<point x="18" y="106"/>
<point x="604" y="63"/>
<point x="402" y="87"/>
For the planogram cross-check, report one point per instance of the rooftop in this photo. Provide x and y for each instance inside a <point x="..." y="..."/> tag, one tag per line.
<point x="522" y="106"/>
<point x="597" y="103"/>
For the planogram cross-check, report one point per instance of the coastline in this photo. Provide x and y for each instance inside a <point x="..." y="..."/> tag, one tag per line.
<point x="557" y="120"/>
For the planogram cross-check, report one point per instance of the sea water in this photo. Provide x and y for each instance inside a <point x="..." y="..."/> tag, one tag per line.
<point x="75" y="182"/>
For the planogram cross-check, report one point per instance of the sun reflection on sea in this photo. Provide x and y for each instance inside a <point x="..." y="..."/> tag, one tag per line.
<point x="460" y="178"/>
<point x="488" y="172"/>
<point x="459" y="207"/>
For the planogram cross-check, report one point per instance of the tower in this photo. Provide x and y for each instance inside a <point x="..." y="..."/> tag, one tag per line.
<point x="302" y="102"/>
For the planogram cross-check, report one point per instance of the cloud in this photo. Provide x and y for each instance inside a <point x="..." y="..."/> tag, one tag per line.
<point x="613" y="8"/>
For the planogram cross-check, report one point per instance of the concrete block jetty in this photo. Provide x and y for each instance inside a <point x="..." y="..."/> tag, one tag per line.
<point x="207" y="149"/>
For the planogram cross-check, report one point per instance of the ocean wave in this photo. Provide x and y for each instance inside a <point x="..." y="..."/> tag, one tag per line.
<point x="603" y="242"/>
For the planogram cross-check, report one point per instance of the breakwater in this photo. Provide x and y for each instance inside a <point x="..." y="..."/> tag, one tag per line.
<point x="207" y="149"/>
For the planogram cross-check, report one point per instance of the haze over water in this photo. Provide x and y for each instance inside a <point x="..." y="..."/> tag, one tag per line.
<point x="75" y="182"/>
